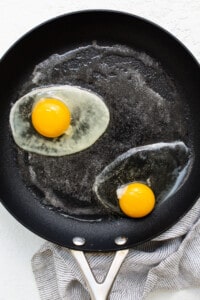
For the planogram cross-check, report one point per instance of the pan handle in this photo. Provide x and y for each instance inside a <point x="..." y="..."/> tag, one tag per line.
<point x="97" y="290"/>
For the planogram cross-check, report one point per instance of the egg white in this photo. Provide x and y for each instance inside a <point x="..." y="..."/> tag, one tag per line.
<point x="89" y="120"/>
<point x="112" y="182"/>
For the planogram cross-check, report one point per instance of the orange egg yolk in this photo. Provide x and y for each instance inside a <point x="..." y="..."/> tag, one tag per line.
<point x="50" y="117"/>
<point x="136" y="200"/>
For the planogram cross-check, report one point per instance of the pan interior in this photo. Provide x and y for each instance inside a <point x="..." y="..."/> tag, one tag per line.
<point x="145" y="108"/>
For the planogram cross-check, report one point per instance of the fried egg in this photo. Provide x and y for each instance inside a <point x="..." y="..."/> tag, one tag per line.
<point x="58" y="120"/>
<point x="157" y="170"/>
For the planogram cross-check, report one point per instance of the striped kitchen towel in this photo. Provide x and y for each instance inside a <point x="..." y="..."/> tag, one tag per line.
<point x="170" y="261"/>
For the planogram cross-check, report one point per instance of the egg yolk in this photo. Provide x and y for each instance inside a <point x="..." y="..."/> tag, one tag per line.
<point x="136" y="200"/>
<point x="50" y="117"/>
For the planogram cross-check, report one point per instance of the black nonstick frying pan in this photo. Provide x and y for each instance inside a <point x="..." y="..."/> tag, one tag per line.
<point x="105" y="232"/>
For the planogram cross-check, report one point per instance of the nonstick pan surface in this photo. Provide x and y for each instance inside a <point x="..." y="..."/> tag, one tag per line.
<point x="70" y="32"/>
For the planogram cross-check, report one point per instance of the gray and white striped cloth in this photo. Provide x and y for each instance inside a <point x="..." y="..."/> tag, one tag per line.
<point x="172" y="261"/>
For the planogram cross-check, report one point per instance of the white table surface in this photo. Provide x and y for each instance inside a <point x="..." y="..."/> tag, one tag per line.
<point x="180" y="17"/>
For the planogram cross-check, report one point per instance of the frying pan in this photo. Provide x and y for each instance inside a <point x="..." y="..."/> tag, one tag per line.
<point x="106" y="233"/>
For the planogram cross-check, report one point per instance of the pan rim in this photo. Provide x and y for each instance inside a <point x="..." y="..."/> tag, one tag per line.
<point x="85" y="11"/>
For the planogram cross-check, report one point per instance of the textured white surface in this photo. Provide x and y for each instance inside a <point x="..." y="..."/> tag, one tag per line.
<point x="182" y="18"/>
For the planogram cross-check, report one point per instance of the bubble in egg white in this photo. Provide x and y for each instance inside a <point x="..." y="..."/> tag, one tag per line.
<point x="162" y="166"/>
<point x="89" y="120"/>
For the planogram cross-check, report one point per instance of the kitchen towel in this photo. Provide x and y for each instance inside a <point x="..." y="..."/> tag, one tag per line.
<point x="170" y="261"/>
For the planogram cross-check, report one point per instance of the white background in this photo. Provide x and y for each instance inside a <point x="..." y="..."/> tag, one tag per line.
<point x="17" y="244"/>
